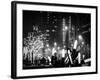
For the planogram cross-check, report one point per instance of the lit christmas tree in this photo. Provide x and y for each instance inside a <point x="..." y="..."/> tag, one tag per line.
<point x="34" y="44"/>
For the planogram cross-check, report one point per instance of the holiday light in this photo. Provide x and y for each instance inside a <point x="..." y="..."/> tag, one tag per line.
<point x="34" y="43"/>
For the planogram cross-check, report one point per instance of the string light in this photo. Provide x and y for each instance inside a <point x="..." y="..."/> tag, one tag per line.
<point x="34" y="43"/>
<point x="58" y="47"/>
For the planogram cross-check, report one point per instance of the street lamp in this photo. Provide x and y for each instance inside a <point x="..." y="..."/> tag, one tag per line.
<point x="66" y="28"/>
<point x="47" y="45"/>
<point x="82" y="43"/>
<point x="55" y="44"/>
<point x="58" y="47"/>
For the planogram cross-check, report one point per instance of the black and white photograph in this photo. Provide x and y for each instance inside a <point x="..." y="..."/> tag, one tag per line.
<point x="53" y="39"/>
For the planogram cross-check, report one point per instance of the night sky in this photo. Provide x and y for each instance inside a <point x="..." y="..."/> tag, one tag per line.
<point x="52" y="21"/>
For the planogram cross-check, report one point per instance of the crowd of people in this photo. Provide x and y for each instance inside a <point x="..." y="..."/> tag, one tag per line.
<point x="68" y="57"/>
